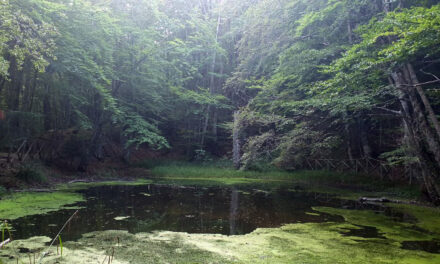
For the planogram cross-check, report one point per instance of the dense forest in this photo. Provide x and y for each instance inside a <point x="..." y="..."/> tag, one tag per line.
<point x="262" y="82"/>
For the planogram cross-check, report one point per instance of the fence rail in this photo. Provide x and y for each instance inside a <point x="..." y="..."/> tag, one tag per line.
<point x="368" y="166"/>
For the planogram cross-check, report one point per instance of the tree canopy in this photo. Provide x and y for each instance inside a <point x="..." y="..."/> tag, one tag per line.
<point x="287" y="80"/>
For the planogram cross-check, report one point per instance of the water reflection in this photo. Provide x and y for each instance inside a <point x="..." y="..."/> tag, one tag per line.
<point x="233" y="212"/>
<point x="151" y="207"/>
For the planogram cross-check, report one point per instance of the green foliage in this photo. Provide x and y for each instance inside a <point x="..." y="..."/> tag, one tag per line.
<point x="3" y="191"/>
<point x="310" y="77"/>
<point x="138" y="131"/>
<point x="5" y="228"/>
<point x="18" y="205"/>
<point x="31" y="173"/>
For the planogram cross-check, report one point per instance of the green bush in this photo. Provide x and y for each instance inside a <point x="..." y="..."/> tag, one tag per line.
<point x="3" y="190"/>
<point x="31" y="174"/>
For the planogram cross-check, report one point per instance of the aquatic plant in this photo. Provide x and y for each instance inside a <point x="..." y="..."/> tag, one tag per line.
<point x="58" y="237"/>
<point x="22" y="204"/>
<point x="5" y="228"/>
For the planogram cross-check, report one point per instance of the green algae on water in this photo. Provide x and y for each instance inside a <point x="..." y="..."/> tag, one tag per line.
<point x="25" y="251"/>
<point x="85" y="185"/>
<point x="423" y="227"/>
<point x="309" y="243"/>
<point x="30" y="203"/>
<point x="428" y="218"/>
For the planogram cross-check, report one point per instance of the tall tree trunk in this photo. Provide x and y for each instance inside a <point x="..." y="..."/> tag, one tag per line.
<point x="2" y="83"/>
<point x="215" y="114"/>
<point x="366" y="149"/>
<point x="349" y="29"/>
<point x="32" y="93"/>
<point x="96" y="141"/>
<point x="236" y="140"/>
<point x="15" y="87"/>
<point x="411" y="123"/>
<point x="349" y="148"/>
<point x="211" y="83"/>
<point x="421" y="122"/>
<point x="205" y="127"/>
<point x="47" y="109"/>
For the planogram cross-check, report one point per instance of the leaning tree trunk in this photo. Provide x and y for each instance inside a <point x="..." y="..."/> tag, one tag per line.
<point x="415" y="131"/>
<point x="414" y="81"/>
<point x="421" y="121"/>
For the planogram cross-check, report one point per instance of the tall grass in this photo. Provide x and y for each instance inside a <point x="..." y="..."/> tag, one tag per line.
<point x="327" y="181"/>
<point x="190" y="170"/>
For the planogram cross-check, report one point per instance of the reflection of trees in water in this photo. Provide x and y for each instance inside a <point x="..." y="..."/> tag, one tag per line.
<point x="154" y="222"/>
<point x="233" y="212"/>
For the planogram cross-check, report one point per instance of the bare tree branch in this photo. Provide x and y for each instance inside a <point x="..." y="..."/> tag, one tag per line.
<point x="389" y="110"/>
<point x="420" y="84"/>
<point x="428" y="73"/>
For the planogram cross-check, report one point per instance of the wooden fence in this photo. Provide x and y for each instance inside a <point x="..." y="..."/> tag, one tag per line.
<point x="367" y="166"/>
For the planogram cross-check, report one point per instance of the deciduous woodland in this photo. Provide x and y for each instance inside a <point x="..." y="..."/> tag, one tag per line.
<point x="284" y="83"/>
<point x="220" y="131"/>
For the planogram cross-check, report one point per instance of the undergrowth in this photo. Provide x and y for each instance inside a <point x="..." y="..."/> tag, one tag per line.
<point x="323" y="181"/>
<point x="31" y="173"/>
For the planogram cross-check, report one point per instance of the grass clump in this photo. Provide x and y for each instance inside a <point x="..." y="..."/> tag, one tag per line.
<point x="189" y="170"/>
<point x="344" y="185"/>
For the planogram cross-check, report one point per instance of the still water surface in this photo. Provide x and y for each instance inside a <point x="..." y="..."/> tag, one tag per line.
<point x="152" y="207"/>
<point x="196" y="209"/>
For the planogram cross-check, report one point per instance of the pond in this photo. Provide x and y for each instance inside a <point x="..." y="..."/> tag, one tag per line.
<point x="232" y="223"/>
<point x="216" y="210"/>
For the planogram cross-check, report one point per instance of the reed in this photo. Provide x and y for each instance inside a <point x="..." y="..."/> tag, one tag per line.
<point x="58" y="237"/>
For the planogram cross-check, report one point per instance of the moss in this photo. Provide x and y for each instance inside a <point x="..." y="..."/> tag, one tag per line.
<point x="389" y="227"/>
<point x="85" y="185"/>
<point x="428" y="218"/>
<point x="22" y="204"/>
<point x="293" y="243"/>
<point x="128" y="248"/>
<point x="25" y="251"/>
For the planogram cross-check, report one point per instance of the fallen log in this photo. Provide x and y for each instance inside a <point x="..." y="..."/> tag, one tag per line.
<point x="377" y="200"/>
<point x="75" y="181"/>
<point x="388" y="200"/>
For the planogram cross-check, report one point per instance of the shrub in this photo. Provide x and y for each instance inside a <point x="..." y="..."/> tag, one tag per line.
<point x="2" y="190"/>
<point x="31" y="174"/>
